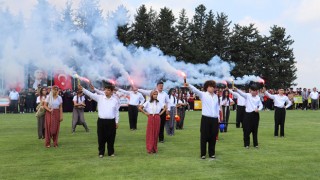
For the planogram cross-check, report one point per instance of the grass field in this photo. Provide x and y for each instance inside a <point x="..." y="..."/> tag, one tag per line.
<point x="297" y="156"/>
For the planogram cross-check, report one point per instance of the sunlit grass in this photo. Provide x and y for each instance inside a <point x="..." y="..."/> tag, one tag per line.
<point x="297" y="156"/>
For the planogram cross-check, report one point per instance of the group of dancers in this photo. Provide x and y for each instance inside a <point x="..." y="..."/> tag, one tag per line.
<point x="215" y="111"/>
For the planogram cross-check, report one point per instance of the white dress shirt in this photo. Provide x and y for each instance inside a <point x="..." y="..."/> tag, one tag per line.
<point x="314" y="95"/>
<point x="241" y="101"/>
<point x="279" y="101"/>
<point x="135" y="98"/>
<point x="153" y="108"/>
<point x="162" y="96"/>
<point x="225" y="102"/>
<point x="252" y="103"/>
<point x="172" y="101"/>
<point x="108" y="108"/>
<point x="210" y="102"/>
<point x="14" y="95"/>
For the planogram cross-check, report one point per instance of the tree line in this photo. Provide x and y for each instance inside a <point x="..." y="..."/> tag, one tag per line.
<point x="207" y="34"/>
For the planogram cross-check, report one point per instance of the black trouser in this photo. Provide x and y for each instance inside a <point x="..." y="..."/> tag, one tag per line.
<point x="314" y="104"/>
<point x="241" y="111"/>
<point x="21" y="108"/>
<point x="226" y="114"/>
<point x="14" y="106"/>
<point x="191" y="104"/>
<point x="279" y="119"/>
<point x="106" y="130"/>
<point x="250" y="125"/>
<point x="208" y="132"/>
<point x="305" y="104"/>
<point x="162" y="123"/>
<point x="133" y="116"/>
<point x="235" y="104"/>
<point x="181" y="113"/>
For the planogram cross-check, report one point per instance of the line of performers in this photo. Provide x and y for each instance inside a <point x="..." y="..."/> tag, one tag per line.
<point x="160" y="104"/>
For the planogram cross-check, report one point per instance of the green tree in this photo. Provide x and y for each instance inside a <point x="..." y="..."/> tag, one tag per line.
<point x="245" y="48"/>
<point x="196" y="38"/>
<point x="182" y="51"/>
<point x="165" y="36"/>
<point x="281" y="69"/>
<point x="210" y="35"/>
<point x="222" y="36"/>
<point x="142" y="31"/>
<point x="124" y="35"/>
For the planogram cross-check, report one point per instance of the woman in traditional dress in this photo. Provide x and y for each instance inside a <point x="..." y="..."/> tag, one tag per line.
<point x="78" y="111"/>
<point x="41" y="120"/>
<point x="53" y="117"/>
<point x="152" y="109"/>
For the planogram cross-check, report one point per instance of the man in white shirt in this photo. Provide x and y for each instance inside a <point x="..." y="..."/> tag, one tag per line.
<point x="281" y="103"/>
<point x="136" y="99"/>
<point x="108" y="118"/>
<point x="241" y="102"/>
<point x="210" y="117"/>
<point x="251" y="120"/>
<point x="14" y="98"/>
<point x="314" y="95"/>
<point x="162" y="98"/>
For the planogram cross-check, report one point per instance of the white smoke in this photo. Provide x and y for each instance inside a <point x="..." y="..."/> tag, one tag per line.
<point x="95" y="53"/>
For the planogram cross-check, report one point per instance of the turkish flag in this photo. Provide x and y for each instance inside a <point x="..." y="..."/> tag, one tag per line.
<point x="62" y="80"/>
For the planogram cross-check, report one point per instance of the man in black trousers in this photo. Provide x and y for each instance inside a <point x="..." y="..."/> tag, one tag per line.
<point x="252" y="117"/>
<point x="108" y="117"/>
<point x="241" y="102"/>
<point x="281" y="103"/>
<point x="136" y="99"/>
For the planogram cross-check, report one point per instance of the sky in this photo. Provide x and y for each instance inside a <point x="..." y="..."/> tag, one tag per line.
<point x="300" y="18"/>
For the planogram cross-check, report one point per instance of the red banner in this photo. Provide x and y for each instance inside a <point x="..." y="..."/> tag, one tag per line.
<point x="62" y="80"/>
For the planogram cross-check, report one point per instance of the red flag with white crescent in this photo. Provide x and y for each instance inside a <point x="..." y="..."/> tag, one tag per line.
<point x="62" y="80"/>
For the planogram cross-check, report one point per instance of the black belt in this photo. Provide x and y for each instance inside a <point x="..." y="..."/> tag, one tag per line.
<point x="107" y="119"/>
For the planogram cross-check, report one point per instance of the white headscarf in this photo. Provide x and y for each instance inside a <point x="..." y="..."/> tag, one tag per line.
<point x="50" y="99"/>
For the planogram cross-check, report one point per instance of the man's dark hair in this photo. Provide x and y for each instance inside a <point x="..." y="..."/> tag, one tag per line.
<point x="208" y="83"/>
<point x="254" y="87"/>
<point x="109" y="86"/>
<point x="159" y="82"/>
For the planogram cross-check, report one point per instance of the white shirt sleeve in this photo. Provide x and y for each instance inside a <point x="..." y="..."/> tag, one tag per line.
<point x="195" y="90"/>
<point x="269" y="95"/>
<point x="141" y="99"/>
<point x="241" y="93"/>
<point x="144" y="92"/>
<point x="91" y="95"/>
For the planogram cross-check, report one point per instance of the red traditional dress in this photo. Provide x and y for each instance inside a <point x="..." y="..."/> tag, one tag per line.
<point x="153" y="126"/>
<point x="52" y="122"/>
